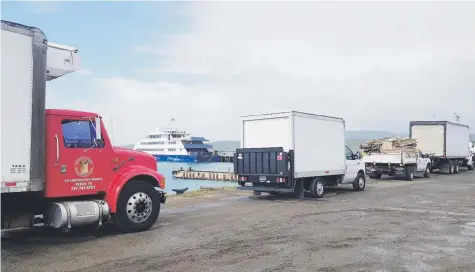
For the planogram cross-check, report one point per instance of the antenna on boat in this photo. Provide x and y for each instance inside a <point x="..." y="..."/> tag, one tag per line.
<point x="171" y="121"/>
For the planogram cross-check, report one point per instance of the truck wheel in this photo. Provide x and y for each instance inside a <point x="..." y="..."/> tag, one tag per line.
<point x="451" y="167"/>
<point x="138" y="207"/>
<point x="471" y="166"/>
<point x="374" y="176"/>
<point x="427" y="172"/>
<point x="317" y="188"/>
<point x="409" y="173"/>
<point x="360" y="182"/>
<point x="456" y="167"/>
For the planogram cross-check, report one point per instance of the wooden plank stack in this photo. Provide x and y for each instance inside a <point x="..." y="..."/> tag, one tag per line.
<point x="390" y="144"/>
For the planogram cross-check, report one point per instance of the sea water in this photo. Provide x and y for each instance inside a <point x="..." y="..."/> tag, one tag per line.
<point x="166" y="168"/>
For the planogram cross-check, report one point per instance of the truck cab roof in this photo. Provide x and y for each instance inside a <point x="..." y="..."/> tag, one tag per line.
<point x="70" y="112"/>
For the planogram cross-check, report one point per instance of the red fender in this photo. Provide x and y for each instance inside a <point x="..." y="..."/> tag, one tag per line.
<point x="123" y="176"/>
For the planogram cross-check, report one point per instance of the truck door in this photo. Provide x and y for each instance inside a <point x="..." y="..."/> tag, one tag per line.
<point x="353" y="165"/>
<point x="76" y="163"/>
<point x="421" y="162"/>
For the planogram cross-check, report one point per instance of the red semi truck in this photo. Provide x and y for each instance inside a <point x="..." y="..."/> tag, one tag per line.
<point x="58" y="167"/>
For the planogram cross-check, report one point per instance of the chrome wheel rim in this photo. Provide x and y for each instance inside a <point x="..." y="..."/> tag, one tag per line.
<point x="319" y="188"/>
<point x="139" y="207"/>
<point x="361" y="182"/>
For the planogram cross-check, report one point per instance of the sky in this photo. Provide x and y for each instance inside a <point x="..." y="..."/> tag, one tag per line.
<point x="378" y="65"/>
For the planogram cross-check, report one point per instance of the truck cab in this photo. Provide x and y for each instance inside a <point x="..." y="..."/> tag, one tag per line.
<point x="469" y="161"/>
<point x="354" y="165"/>
<point x="80" y="154"/>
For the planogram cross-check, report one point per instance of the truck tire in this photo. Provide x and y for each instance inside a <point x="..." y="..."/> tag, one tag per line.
<point x="456" y="167"/>
<point x="451" y="167"/>
<point x="427" y="172"/>
<point x="317" y="188"/>
<point x="138" y="207"/>
<point x="471" y="166"/>
<point x="375" y="175"/>
<point x="409" y="173"/>
<point x="360" y="182"/>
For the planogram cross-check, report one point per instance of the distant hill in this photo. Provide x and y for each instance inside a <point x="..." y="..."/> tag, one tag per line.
<point x="353" y="139"/>
<point x="225" y="145"/>
<point x="370" y="134"/>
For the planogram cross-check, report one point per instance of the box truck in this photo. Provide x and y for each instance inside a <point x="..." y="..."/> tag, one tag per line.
<point x="295" y="152"/>
<point x="59" y="167"/>
<point x="443" y="141"/>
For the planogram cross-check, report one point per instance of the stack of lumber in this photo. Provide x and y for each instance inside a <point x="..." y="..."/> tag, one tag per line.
<point x="393" y="144"/>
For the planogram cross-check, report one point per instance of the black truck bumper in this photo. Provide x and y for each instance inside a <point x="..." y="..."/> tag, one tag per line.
<point x="391" y="170"/>
<point x="265" y="189"/>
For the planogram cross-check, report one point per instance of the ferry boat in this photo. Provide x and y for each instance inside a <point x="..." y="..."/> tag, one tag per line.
<point x="175" y="145"/>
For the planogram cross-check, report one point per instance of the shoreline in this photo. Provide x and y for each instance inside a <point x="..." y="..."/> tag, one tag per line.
<point x="203" y="192"/>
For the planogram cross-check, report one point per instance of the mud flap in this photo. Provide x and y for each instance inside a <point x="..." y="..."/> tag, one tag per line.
<point x="163" y="198"/>
<point x="299" y="189"/>
<point x="161" y="194"/>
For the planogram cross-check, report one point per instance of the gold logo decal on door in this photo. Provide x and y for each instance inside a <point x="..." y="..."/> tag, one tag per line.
<point x="83" y="166"/>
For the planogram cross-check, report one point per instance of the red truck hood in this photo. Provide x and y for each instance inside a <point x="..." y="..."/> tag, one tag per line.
<point x="136" y="157"/>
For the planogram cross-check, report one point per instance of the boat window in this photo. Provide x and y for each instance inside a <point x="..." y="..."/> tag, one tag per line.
<point x="172" y="149"/>
<point x="151" y="143"/>
<point x="172" y="142"/>
<point x="80" y="134"/>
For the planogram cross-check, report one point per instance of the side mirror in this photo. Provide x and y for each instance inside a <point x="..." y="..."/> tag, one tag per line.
<point x="98" y="128"/>
<point x="358" y="155"/>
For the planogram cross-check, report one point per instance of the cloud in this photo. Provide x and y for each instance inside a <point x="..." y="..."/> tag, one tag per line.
<point x="379" y="65"/>
<point x="85" y="72"/>
<point x="46" y="7"/>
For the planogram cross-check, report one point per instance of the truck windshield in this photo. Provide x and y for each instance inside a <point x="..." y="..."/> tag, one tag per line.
<point x="79" y="134"/>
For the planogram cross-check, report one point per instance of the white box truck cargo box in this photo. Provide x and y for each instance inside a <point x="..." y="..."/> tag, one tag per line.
<point x="28" y="61"/>
<point x="318" y="141"/>
<point x="23" y="86"/>
<point x="441" y="138"/>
